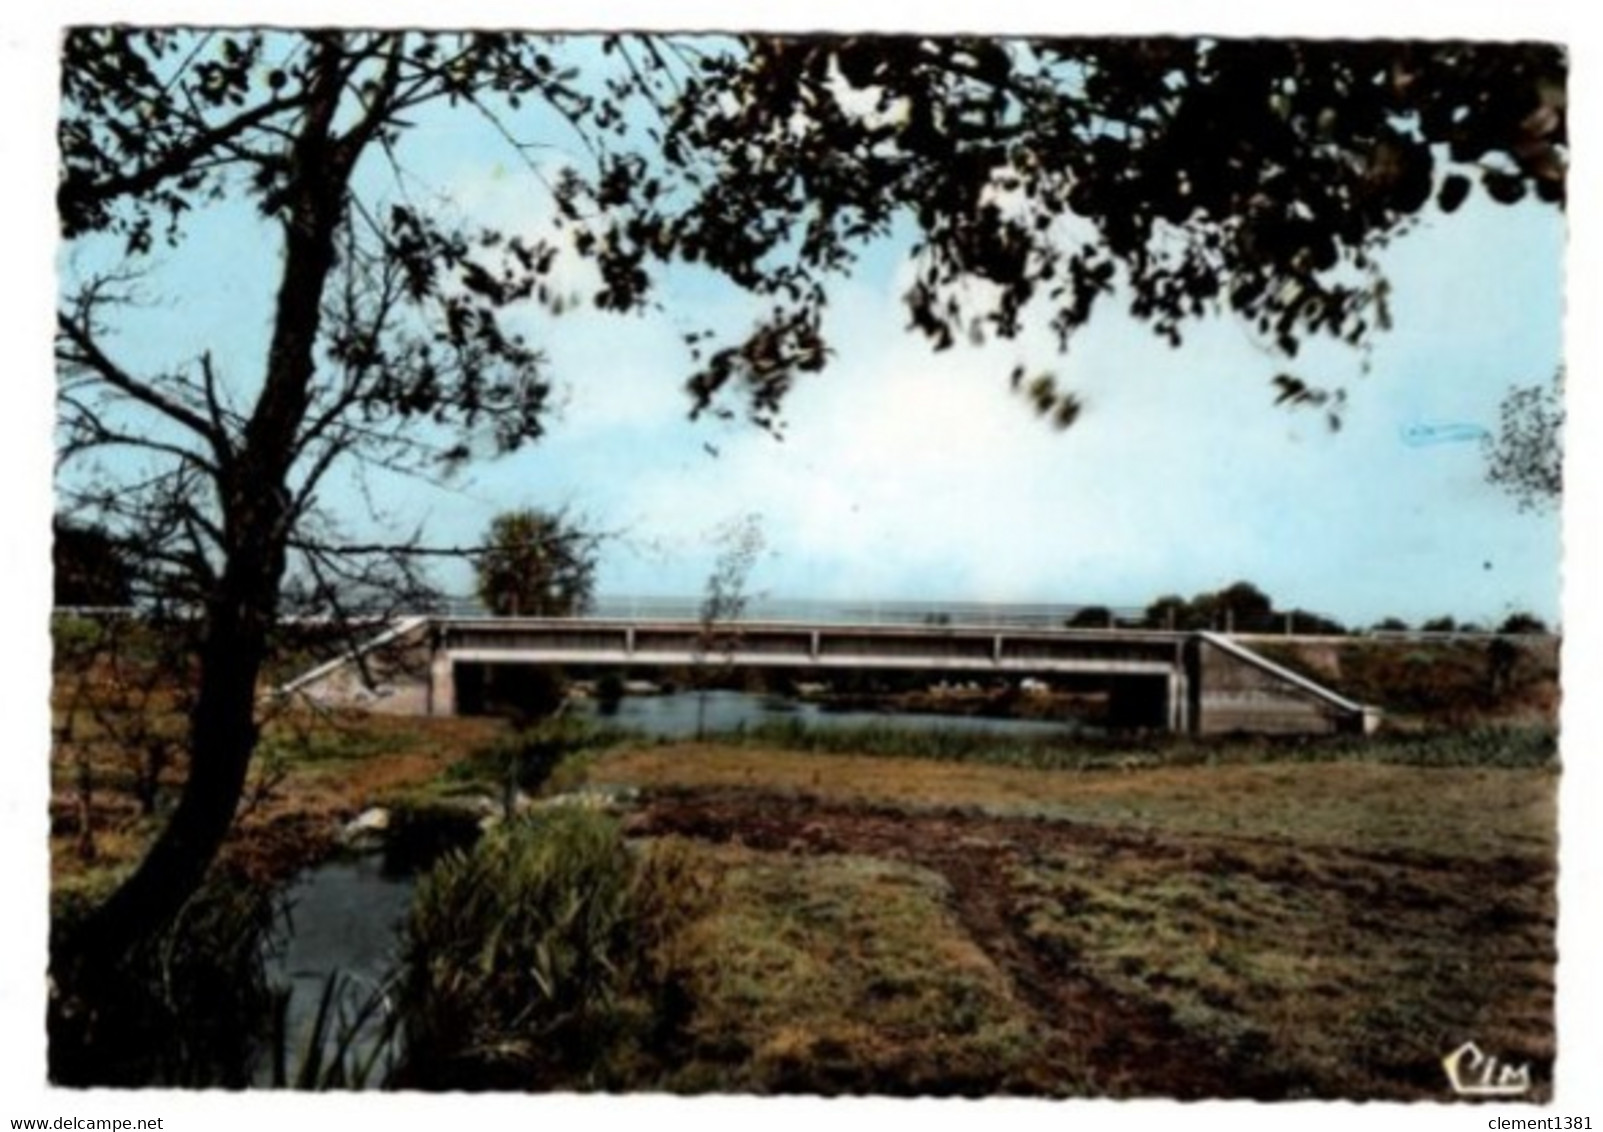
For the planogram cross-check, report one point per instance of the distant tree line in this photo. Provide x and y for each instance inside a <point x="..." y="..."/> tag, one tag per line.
<point x="1238" y="608"/>
<point x="1244" y="608"/>
<point x="1514" y="623"/>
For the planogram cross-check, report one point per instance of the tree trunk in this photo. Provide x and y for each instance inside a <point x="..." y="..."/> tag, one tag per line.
<point x="254" y="497"/>
<point x="222" y="735"/>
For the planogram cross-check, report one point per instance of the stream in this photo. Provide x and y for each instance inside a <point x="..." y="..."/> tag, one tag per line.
<point x="675" y="716"/>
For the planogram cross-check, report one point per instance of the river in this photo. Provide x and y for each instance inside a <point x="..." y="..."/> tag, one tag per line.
<point x="680" y="715"/>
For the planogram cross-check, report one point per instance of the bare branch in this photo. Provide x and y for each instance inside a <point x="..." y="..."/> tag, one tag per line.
<point x="214" y="407"/>
<point x="96" y="435"/>
<point x="372" y="549"/>
<point x="351" y="145"/>
<point x="86" y="353"/>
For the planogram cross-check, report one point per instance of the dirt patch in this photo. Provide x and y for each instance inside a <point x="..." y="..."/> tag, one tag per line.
<point x="1124" y="1047"/>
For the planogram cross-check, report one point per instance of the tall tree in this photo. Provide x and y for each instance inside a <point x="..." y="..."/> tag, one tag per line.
<point x="1041" y="178"/>
<point x="387" y="339"/>
<point x="536" y="564"/>
<point x="1245" y="608"/>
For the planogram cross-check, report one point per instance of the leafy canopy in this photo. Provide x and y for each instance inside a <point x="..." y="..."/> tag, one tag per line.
<point x="1044" y="179"/>
<point x="1041" y="179"/>
<point x="1240" y="607"/>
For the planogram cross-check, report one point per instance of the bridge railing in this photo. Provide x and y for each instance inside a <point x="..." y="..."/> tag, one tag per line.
<point x="817" y="611"/>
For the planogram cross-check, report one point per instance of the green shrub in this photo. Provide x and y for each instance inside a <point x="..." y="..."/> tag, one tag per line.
<point x="530" y="756"/>
<point x="75" y="636"/>
<point x="421" y="831"/>
<point x="542" y="958"/>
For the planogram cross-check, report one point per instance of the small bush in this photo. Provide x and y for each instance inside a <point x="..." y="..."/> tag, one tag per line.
<point x="76" y="636"/>
<point x="530" y="757"/>
<point x="422" y="831"/>
<point x="542" y="958"/>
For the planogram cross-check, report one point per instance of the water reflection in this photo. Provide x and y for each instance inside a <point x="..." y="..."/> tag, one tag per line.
<point x="343" y="916"/>
<point x="675" y="716"/>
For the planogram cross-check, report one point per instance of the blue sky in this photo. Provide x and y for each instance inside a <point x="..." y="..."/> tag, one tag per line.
<point x="906" y="474"/>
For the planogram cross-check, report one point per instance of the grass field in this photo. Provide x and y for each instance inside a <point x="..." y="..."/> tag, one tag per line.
<point x="1315" y="929"/>
<point x="897" y="916"/>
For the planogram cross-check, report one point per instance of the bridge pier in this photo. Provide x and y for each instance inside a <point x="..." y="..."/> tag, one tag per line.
<point x="442" y="683"/>
<point x="1179" y="721"/>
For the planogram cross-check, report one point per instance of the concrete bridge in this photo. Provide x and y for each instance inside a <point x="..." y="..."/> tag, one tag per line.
<point x="1191" y="682"/>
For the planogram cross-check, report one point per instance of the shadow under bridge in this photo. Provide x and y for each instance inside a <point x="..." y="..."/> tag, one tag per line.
<point x="1145" y="671"/>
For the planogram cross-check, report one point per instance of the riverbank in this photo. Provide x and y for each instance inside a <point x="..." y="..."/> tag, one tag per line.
<point x="312" y="774"/>
<point x="1170" y="918"/>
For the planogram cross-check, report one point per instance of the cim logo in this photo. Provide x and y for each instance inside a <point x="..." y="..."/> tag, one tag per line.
<point x="1476" y="1074"/>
